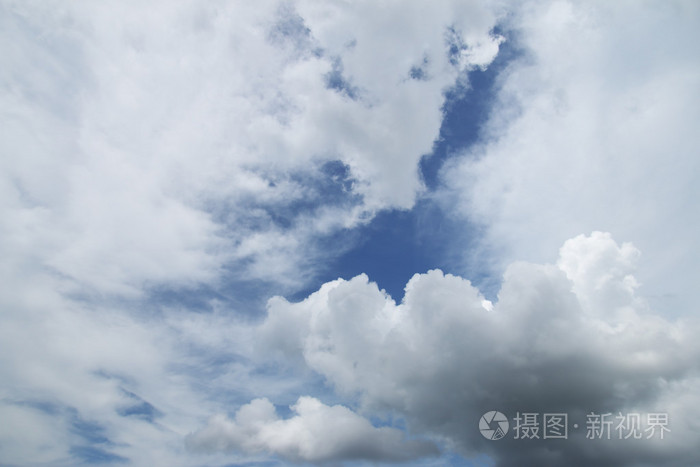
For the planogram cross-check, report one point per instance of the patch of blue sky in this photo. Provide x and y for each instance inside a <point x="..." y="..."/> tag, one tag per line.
<point x="390" y="249"/>
<point x="139" y="408"/>
<point x="466" y="109"/>
<point x="389" y="420"/>
<point x="289" y="26"/>
<point x="267" y="463"/>
<point x="311" y="384"/>
<point x="326" y="185"/>
<point x="397" y="244"/>
<point x="289" y="30"/>
<point x="46" y="407"/>
<point x="451" y="459"/>
<point x="91" y="445"/>
<point x="87" y="431"/>
<point x="90" y="432"/>
<point x="455" y="45"/>
<point x="247" y="297"/>
<point x="336" y="81"/>
<point x="418" y="72"/>
<point x="92" y="455"/>
<point x="456" y="460"/>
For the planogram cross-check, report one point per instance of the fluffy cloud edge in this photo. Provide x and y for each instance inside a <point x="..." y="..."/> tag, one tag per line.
<point x="574" y="336"/>
<point x="318" y="433"/>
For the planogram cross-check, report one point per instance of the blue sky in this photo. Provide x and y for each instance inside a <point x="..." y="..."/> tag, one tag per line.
<point x="305" y="233"/>
<point x="399" y="243"/>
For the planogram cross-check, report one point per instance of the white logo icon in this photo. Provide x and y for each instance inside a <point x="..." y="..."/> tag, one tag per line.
<point x="493" y="425"/>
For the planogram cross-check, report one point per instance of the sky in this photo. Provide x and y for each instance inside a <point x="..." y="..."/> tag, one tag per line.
<point x="344" y="233"/>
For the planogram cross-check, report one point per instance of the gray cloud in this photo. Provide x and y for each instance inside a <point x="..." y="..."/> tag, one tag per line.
<point x="554" y="342"/>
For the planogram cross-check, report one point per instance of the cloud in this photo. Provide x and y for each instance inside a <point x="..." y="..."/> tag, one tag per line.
<point x="164" y="162"/>
<point x="572" y="338"/>
<point x="592" y="128"/>
<point x="191" y="150"/>
<point x="317" y="434"/>
<point x="160" y="147"/>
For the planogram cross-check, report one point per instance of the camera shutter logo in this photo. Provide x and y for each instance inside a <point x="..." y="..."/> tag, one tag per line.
<point x="493" y="425"/>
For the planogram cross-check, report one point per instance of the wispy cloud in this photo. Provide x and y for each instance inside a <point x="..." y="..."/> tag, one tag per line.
<point x="593" y="129"/>
<point x="151" y="152"/>
<point x="166" y="168"/>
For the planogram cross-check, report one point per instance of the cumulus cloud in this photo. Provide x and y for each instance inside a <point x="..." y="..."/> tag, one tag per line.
<point x="571" y="338"/>
<point x="318" y="433"/>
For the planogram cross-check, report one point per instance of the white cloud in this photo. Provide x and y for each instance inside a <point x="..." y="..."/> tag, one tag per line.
<point x="556" y="340"/>
<point x="317" y="433"/>
<point x="174" y="145"/>
<point x="601" y="273"/>
<point x="177" y="145"/>
<point x="30" y="436"/>
<point x="593" y="129"/>
<point x="151" y="144"/>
